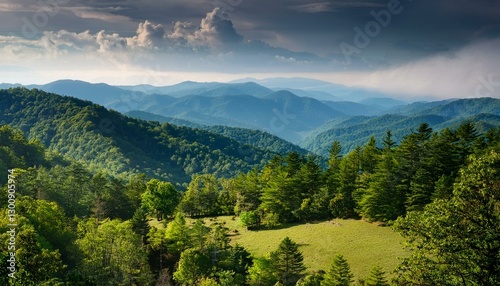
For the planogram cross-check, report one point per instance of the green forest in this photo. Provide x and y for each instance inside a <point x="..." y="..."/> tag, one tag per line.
<point x="92" y="197"/>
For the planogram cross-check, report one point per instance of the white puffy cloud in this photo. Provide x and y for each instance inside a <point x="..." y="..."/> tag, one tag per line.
<point x="211" y="45"/>
<point x="182" y="31"/>
<point x="110" y="42"/>
<point x="64" y="40"/>
<point x="149" y="35"/>
<point x="216" y="30"/>
<point x="215" y="34"/>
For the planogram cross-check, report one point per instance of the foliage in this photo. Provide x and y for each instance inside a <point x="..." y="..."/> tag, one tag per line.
<point x="16" y="151"/>
<point x="113" y="253"/>
<point x="381" y="201"/>
<point x="260" y="273"/>
<point x="339" y="273"/>
<point x="257" y="138"/>
<point x="193" y="265"/>
<point x="160" y="198"/>
<point x="177" y="234"/>
<point x="201" y="196"/>
<point x="455" y="241"/>
<point x="313" y="279"/>
<point x="287" y="262"/>
<point x="376" y="278"/>
<point x="107" y="140"/>
<point x="36" y="260"/>
<point x="249" y="219"/>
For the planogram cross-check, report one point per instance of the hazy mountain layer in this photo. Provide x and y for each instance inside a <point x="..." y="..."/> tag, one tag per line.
<point x="355" y="131"/>
<point x="110" y="141"/>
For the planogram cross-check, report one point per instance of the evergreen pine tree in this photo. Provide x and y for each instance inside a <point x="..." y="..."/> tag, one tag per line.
<point x="287" y="262"/>
<point x="278" y="197"/>
<point x="376" y="277"/>
<point x="293" y="162"/>
<point x="339" y="273"/>
<point x="140" y="223"/>
<point x="332" y="172"/>
<point x="466" y="134"/>
<point x="342" y="204"/>
<point x="369" y="156"/>
<point x="382" y="200"/>
<point x="248" y="191"/>
<point x="421" y="189"/>
<point x="177" y="234"/>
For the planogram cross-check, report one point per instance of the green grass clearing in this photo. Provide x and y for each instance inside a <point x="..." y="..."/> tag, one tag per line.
<point x="363" y="244"/>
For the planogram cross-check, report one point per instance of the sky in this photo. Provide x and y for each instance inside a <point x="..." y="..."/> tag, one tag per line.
<point x="408" y="48"/>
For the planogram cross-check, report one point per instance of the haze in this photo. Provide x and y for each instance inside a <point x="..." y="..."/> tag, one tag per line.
<point x="437" y="49"/>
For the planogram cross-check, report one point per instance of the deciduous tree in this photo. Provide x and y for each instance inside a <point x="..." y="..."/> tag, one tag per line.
<point x="193" y="266"/>
<point x="160" y="198"/>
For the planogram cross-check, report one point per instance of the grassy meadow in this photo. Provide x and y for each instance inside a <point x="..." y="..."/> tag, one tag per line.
<point x="363" y="244"/>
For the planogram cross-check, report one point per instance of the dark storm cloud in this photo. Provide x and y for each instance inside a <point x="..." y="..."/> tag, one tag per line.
<point x="291" y="31"/>
<point x="321" y="26"/>
<point x="316" y="26"/>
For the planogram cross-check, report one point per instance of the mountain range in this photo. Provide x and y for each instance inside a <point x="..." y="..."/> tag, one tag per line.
<point x="268" y="113"/>
<point x="121" y="145"/>
<point x="288" y="113"/>
<point x="356" y="131"/>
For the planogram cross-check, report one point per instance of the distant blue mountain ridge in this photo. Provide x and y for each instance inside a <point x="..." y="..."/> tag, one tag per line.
<point x="303" y="111"/>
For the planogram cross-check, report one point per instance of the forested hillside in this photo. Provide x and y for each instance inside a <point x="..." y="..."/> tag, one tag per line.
<point x="259" y="139"/>
<point x="244" y="105"/>
<point x="354" y="131"/>
<point x="123" y="146"/>
<point x="92" y="229"/>
<point x="281" y="113"/>
<point x="114" y="200"/>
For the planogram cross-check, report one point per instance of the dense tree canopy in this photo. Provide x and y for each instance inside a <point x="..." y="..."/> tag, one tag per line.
<point x="92" y="221"/>
<point x="121" y="146"/>
<point x="456" y="241"/>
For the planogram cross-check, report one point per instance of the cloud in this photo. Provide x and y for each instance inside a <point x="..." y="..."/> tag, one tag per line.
<point x="313" y="7"/>
<point x="212" y="45"/>
<point x="217" y="29"/>
<point x="148" y="35"/>
<point x="332" y="6"/>
<point x="216" y="32"/>
<point x="182" y="31"/>
<point x="315" y="26"/>
<point x="107" y="14"/>
<point x="69" y="41"/>
<point x="461" y="73"/>
<point x="110" y="42"/>
<point x="10" y="7"/>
